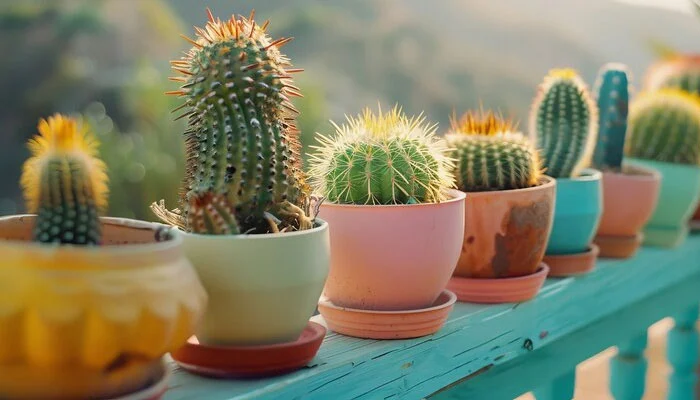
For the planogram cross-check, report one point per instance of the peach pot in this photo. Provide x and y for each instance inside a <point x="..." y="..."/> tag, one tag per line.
<point x="629" y="199"/>
<point x="392" y="257"/>
<point x="506" y="231"/>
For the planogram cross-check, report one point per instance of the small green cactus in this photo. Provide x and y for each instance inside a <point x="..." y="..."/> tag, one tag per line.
<point x="678" y="71"/>
<point x="564" y="123"/>
<point x="242" y="144"/>
<point x="382" y="159"/>
<point x="65" y="183"/>
<point x="491" y="154"/>
<point x="612" y="91"/>
<point x="665" y="127"/>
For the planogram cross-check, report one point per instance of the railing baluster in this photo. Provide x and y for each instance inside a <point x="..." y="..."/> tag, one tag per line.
<point x="561" y="388"/>
<point x="628" y="369"/>
<point x="682" y="354"/>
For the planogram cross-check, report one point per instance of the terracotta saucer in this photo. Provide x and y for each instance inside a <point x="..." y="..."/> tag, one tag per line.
<point x="501" y="290"/>
<point x="561" y="265"/>
<point x="618" y="246"/>
<point x="694" y="225"/>
<point x="250" y="361"/>
<point x="154" y="391"/>
<point x="370" y="324"/>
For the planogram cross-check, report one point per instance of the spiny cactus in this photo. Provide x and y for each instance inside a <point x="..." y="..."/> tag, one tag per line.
<point x="387" y="158"/>
<point x="564" y="123"/>
<point x="612" y="95"/>
<point x="678" y="71"/>
<point x="491" y="154"/>
<point x="65" y="183"/>
<point x="665" y="126"/>
<point x="242" y="144"/>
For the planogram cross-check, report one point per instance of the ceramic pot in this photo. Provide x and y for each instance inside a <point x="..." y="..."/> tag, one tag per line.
<point x="262" y="288"/>
<point x="629" y="199"/>
<point x="678" y="199"/>
<point x="506" y="231"/>
<point x="79" y="322"/>
<point x="579" y="205"/>
<point x="393" y="257"/>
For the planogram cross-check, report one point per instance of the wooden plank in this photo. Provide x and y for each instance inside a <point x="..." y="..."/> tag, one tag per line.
<point x="476" y="337"/>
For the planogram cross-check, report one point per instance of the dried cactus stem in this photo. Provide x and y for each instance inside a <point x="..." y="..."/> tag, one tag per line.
<point x="211" y="214"/>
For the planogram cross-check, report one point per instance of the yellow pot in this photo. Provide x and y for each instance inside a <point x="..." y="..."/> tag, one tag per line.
<point x="76" y="320"/>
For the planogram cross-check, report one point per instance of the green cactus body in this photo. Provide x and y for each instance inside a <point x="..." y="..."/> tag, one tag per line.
<point x="564" y="123"/>
<point x="241" y="141"/>
<point x="384" y="159"/>
<point x="65" y="184"/>
<point x="212" y="213"/>
<point x="677" y="72"/>
<point x="665" y="126"/>
<point x="612" y="91"/>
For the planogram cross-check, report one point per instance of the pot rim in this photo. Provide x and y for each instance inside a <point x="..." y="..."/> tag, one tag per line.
<point x="587" y="175"/>
<point x="455" y="196"/>
<point x="323" y="225"/>
<point x="644" y="174"/>
<point x="130" y="249"/>
<point x="668" y="164"/>
<point x="545" y="182"/>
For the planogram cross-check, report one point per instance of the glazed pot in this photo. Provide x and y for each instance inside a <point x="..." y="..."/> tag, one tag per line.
<point x="91" y="322"/>
<point x="629" y="199"/>
<point x="579" y="205"/>
<point x="393" y="257"/>
<point x="262" y="288"/>
<point x="506" y="231"/>
<point x="678" y="199"/>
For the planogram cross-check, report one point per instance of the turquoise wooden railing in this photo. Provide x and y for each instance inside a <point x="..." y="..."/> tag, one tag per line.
<point x="497" y="352"/>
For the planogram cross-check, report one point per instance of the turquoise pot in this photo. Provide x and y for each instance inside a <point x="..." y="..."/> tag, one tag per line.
<point x="678" y="199"/>
<point x="577" y="211"/>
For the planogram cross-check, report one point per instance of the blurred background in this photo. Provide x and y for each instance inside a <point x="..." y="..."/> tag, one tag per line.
<point x="108" y="60"/>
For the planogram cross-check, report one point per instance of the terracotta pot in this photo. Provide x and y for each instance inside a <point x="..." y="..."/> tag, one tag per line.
<point x="629" y="199"/>
<point x="78" y="322"/>
<point x="262" y="288"/>
<point x="506" y="231"/>
<point x="393" y="257"/>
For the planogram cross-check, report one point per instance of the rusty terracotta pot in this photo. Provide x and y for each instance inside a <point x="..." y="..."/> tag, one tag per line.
<point x="506" y="231"/>
<point x="629" y="199"/>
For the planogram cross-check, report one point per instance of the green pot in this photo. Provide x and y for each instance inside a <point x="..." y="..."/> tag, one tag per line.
<point x="678" y="198"/>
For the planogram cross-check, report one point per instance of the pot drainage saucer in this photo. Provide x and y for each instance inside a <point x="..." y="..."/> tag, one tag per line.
<point x="371" y="324"/>
<point x="694" y="225"/>
<point x="499" y="290"/>
<point x="562" y="265"/>
<point x="250" y="361"/>
<point x="618" y="246"/>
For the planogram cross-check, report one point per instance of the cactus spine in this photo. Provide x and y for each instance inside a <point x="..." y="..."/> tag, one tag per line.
<point x="242" y="144"/>
<point x="665" y="126"/>
<point x="564" y="123"/>
<point x="612" y="96"/>
<point x="387" y="158"/>
<point x="491" y="154"/>
<point x="65" y="183"/>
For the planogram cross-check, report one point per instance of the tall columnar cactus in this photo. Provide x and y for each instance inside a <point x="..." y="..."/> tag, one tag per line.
<point x="387" y="158"/>
<point x="65" y="183"/>
<point x="491" y="154"/>
<point x="242" y="144"/>
<point x="665" y="126"/>
<point x="564" y="123"/>
<point x="678" y="71"/>
<point x="612" y="91"/>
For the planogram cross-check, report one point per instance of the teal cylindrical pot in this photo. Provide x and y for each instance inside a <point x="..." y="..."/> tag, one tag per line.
<point x="678" y="198"/>
<point x="577" y="211"/>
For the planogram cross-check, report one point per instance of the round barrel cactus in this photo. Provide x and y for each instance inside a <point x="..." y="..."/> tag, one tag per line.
<point x="679" y="71"/>
<point x="384" y="158"/>
<point x="65" y="183"/>
<point x="241" y="142"/>
<point x="490" y="154"/>
<point x="564" y="123"/>
<point x="664" y="126"/>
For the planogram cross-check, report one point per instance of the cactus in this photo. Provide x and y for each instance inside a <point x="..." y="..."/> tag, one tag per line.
<point x="564" y="123"/>
<point x="678" y="71"/>
<point x="665" y="127"/>
<point x="491" y="154"/>
<point x="242" y="144"/>
<point x="65" y="183"/>
<point x="612" y="91"/>
<point x="387" y="158"/>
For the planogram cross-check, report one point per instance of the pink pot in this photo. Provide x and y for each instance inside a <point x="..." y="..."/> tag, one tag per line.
<point x="392" y="257"/>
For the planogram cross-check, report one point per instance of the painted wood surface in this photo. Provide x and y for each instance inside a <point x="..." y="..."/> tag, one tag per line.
<point x="481" y="346"/>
